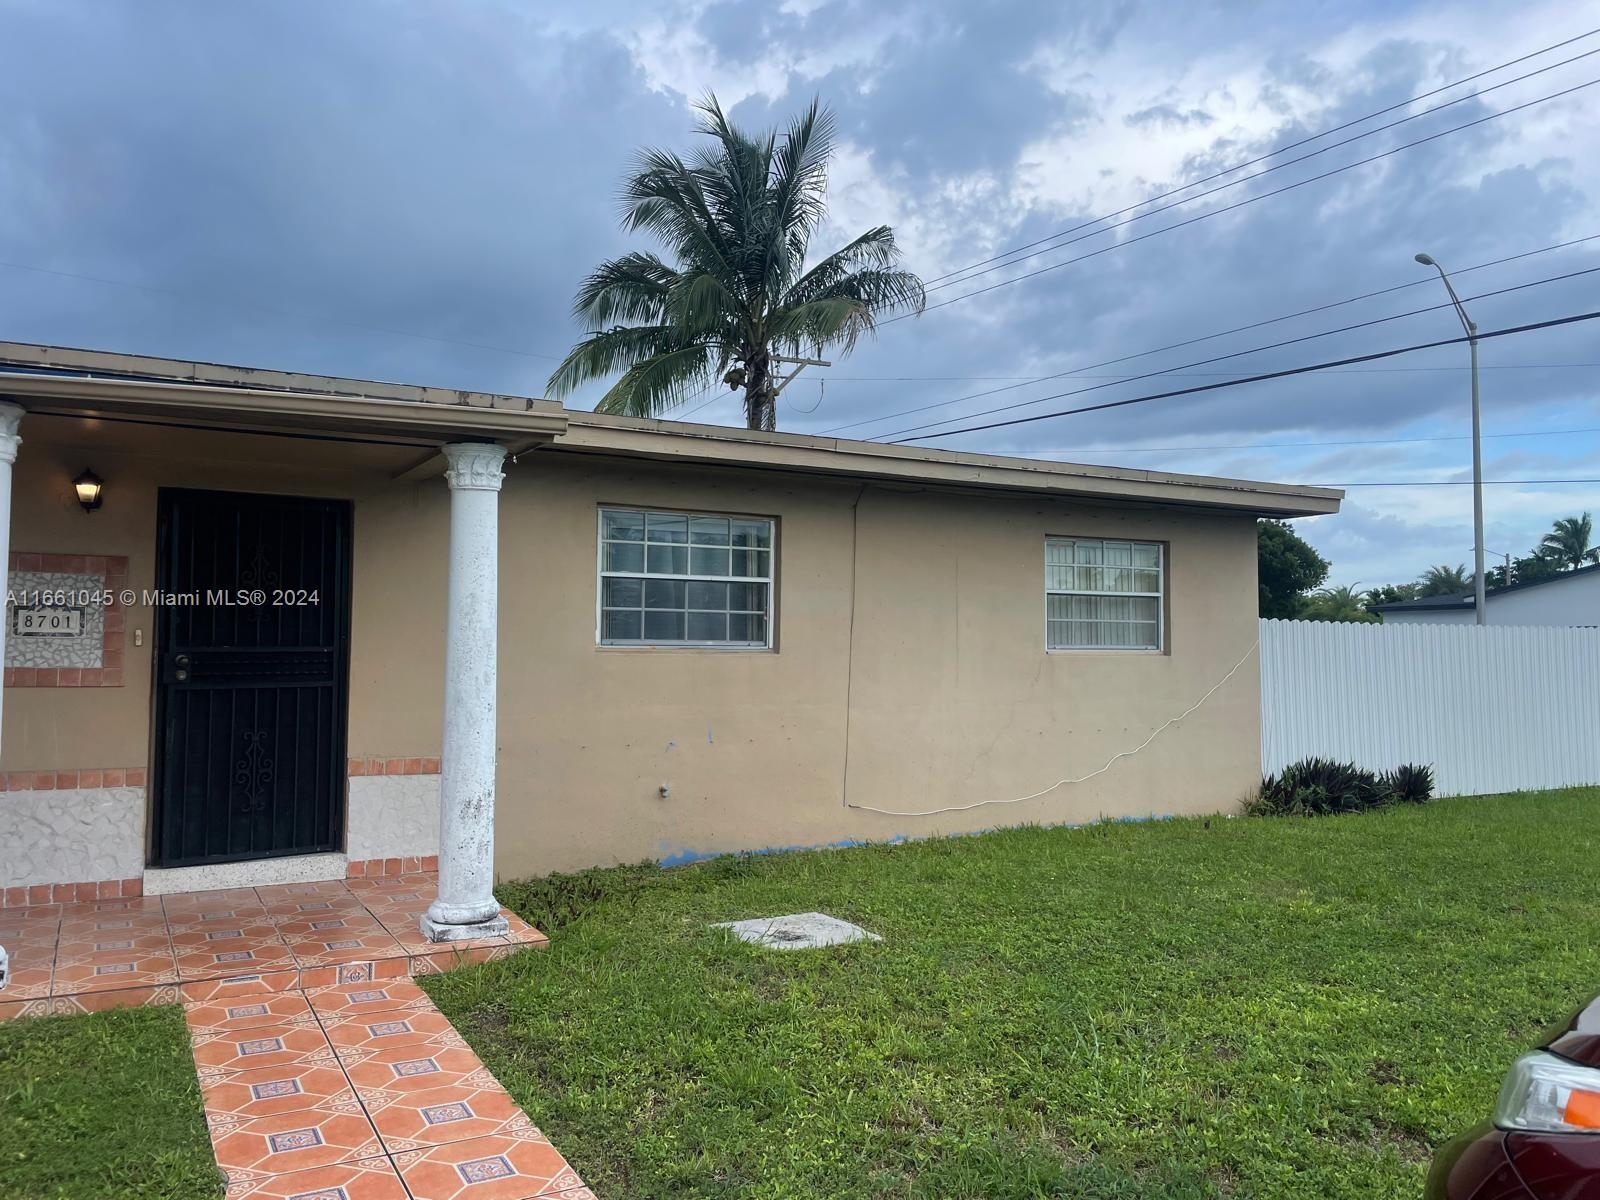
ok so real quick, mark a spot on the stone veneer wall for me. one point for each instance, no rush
(393, 810)
(67, 835)
(71, 826)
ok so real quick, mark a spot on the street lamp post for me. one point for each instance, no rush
(1479, 608)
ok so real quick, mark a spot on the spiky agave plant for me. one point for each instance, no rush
(736, 220)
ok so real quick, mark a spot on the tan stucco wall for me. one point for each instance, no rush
(935, 679)
(397, 600)
(951, 696)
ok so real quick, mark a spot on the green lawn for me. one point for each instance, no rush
(102, 1106)
(1248, 1008)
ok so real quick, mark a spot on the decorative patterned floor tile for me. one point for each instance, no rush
(411, 1120)
(228, 987)
(113, 971)
(384, 1074)
(326, 947)
(237, 956)
(248, 1012)
(134, 997)
(80, 946)
(255, 1049)
(267, 977)
(246, 1095)
(11, 1009)
(206, 935)
(368, 1179)
(500, 1167)
(383, 1031)
(341, 1000)
(355, 972)
(293, 1141)
(436, 961)
(29, 980)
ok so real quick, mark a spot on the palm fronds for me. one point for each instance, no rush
(735, 218)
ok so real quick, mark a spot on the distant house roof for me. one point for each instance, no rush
(1466, 600)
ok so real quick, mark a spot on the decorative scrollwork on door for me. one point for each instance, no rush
(253, 773)
(260, 572)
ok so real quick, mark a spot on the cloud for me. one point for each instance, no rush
(308, 187)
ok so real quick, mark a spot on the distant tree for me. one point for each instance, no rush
(1444, 581)
(1534, 566)
(1391, 593)
(1287, 568)
(1343, 603)
(1567, 543)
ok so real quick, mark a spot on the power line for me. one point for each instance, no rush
(1270, 154)
(1194, 341)
(1099, 227)
(1545, 366)
(1457, 437)
(1216, 212)
(1212, 387)
(1415, 483)
(1308, 337)
(282, 312)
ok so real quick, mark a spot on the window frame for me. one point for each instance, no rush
(1161, 596)
(601, 575)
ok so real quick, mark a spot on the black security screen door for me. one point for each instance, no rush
(252, 652)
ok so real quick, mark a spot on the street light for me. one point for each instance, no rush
(1478, 606)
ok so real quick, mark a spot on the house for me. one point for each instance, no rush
(1569, 598)
(266, 627)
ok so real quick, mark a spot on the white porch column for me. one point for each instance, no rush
(466, 907)
(10, 420)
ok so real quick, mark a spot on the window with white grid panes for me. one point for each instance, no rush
(1103, 594)
(685, 579)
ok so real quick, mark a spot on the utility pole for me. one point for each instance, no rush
(1479, 608)
(799, 364)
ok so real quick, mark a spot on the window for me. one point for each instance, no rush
(684, 579)
(1102, 595)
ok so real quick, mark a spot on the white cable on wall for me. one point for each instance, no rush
(933, 812)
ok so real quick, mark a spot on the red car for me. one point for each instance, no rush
(1544, 1140)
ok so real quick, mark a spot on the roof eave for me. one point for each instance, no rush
(425, 422)
(712, 445)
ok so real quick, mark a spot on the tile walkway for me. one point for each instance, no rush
(325, 1072)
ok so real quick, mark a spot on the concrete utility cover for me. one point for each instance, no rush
(797, 931)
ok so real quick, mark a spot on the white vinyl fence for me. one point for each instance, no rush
(1492, 709)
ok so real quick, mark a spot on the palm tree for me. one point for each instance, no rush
(1444, 581)
(1343, 603)
(737, 220)
(1567, 543)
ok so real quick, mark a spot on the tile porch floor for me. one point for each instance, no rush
(325, 1072)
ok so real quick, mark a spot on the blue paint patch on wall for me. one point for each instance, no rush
(682, 857)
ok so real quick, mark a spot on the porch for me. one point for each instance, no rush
(263, 657)
(214, 945)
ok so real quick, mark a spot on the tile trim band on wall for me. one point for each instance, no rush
(60, 781)
(113, 569)
(393, 766)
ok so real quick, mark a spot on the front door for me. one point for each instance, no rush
(252, 653)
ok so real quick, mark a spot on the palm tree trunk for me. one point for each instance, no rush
(760, 405)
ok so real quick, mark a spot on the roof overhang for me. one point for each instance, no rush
(90, 384)
(715, 445)
(96, 384)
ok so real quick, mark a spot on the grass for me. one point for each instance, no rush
(1249, 1008)
(100, 1106)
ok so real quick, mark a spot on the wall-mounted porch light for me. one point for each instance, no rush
(89, 487)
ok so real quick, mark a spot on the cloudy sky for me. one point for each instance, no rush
(412, 191)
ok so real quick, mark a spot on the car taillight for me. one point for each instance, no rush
(1546, 1094)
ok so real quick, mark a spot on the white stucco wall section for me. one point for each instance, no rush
(393, 816)
(75, 835)
(1572, 599)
